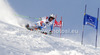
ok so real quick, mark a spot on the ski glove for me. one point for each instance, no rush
(50, 32)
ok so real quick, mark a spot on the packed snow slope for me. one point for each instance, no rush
(15, 40)
(18, 41)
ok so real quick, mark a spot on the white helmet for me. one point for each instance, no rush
(53, 16)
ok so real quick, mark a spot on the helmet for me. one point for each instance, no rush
(53, 16)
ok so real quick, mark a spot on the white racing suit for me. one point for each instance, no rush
(44, 23)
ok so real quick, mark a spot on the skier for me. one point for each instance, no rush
(46, 21)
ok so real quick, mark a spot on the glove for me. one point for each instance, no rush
(47, 22)
(50, 32)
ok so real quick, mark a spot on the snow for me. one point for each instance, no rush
(18, 41)
(15, 40)
(8, 15)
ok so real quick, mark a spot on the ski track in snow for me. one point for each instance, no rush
(15, 40)
(18, 41)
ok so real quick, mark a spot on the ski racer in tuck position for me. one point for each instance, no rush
(46, 21)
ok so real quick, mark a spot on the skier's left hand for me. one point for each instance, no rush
(50, 32)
